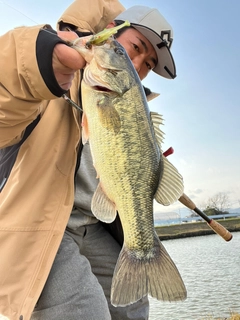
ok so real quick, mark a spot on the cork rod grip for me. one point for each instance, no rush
(219, 229)
(184, 199)
(214, 225)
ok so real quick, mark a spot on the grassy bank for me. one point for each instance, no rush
(183, 230)
(233, 316)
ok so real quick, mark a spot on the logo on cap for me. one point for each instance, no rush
(166, 36)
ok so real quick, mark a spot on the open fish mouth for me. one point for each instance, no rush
(93, 80)
(102, 89)
(95, 84)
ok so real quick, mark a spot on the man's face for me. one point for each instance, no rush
(140, 51)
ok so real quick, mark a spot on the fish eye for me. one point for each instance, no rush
(119, 51)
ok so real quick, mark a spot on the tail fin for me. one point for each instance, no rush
(153, 273)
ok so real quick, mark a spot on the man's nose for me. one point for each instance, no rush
(137, 67)
(137, 62)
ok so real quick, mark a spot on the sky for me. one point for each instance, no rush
(201, 106)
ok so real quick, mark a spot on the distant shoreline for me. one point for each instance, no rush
(193, 229)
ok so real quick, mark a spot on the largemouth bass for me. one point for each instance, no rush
(125, 142)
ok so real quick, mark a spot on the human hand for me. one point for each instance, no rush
(66, 60)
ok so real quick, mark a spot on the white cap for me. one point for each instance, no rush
(158, 31)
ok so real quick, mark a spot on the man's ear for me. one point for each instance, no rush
(111, 25)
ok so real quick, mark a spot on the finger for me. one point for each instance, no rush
(69, 57)
(64, 80)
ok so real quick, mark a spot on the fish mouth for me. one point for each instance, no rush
(93, 81)
(95, 84)
(102, 89)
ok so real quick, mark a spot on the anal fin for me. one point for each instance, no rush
(102, 207)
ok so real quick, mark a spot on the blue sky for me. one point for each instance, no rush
(201, 107)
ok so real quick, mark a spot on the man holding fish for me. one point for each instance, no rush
(57, 258)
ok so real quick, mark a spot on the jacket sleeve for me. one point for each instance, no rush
(23, 85)
(91, 15)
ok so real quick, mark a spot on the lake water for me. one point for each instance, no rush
(210, 268)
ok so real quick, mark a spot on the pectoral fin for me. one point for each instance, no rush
(109, 116)
(102, 207)
(170, 186)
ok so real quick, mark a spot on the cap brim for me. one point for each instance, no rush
(166, 66)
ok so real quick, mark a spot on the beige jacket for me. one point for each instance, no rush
(37, 199)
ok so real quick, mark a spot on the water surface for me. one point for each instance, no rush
(210, 268)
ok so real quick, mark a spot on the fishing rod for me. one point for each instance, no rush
(214, 225)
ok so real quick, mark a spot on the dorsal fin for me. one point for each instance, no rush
(157, 120)
(170, 186)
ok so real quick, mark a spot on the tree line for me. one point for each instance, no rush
(217, 205)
